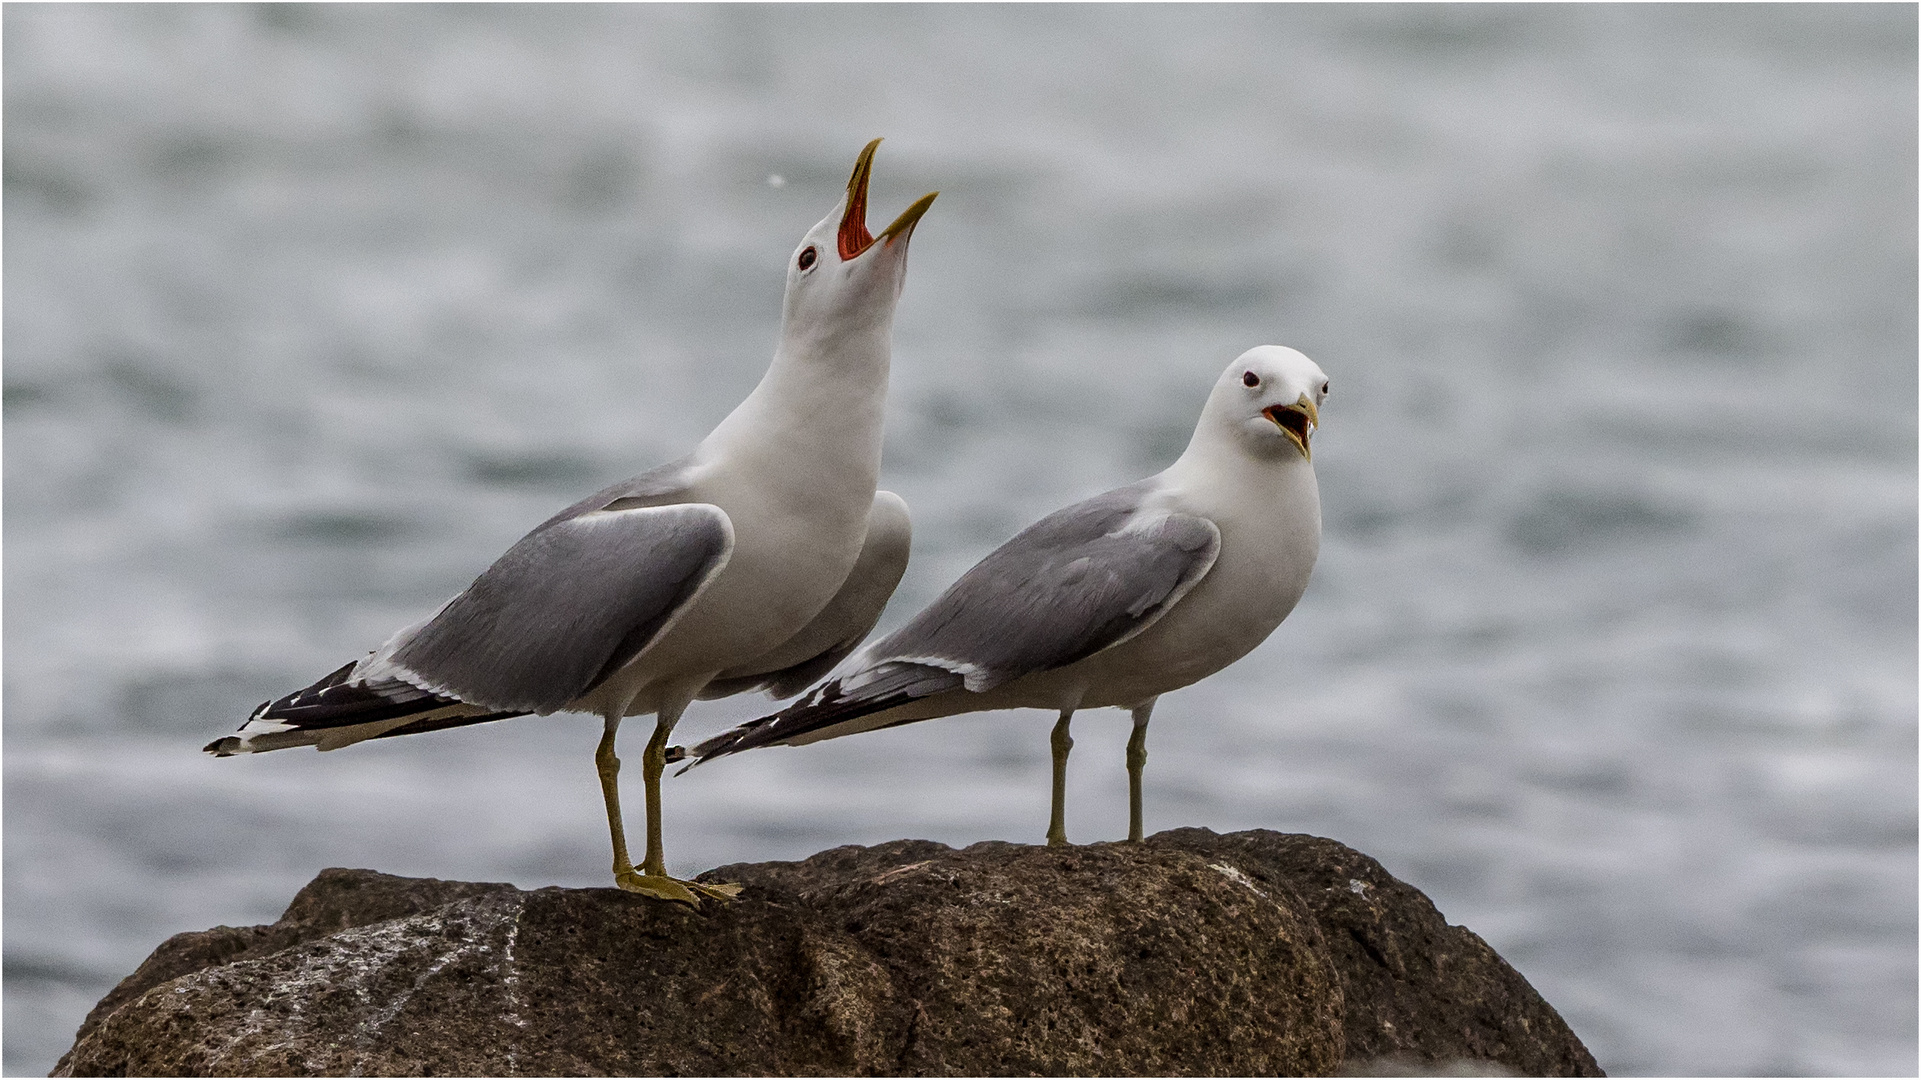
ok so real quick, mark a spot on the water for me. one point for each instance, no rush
(1611, 650)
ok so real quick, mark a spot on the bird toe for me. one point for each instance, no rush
(658, 886)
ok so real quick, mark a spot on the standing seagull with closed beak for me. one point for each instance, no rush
(757, 562)
(1112, 601)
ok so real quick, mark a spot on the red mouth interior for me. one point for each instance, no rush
(854, 237)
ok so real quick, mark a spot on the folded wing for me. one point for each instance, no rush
(573, 602)
(567, 606)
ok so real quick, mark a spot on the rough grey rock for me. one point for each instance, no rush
(1195, 953)
(1414, 988)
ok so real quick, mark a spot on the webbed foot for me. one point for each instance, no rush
(662, 887)
(658, 886)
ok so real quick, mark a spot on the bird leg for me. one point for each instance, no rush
(608, 766)
(1137, 761)
(662, 887)
(652, 763)
(1062, 743)
(652, 878)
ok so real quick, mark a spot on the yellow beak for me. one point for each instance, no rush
(854, 237)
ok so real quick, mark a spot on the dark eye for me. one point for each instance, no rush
(807, 258)
(1324, 387)
(1250, 379)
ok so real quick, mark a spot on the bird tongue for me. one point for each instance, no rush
(854, 237)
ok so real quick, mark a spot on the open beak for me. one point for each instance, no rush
(1297, 422)
(854, 237)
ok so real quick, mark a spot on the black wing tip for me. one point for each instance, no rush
(822, 708)
(224, 747)
(336, 702)
(748, 736)
(727, 742)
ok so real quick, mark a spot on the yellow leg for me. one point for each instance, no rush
(652, 764)
(1062, 743)
(651, 879)
(609, 768)
(1136, 761)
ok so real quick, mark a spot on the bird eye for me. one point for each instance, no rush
(807, 257)
(1250, 379)
(1324, 387)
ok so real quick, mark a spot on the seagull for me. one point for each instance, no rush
(1112, 601)
(758, 561)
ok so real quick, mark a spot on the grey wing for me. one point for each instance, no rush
(1078, 581)
(571, 603)
(843, 623)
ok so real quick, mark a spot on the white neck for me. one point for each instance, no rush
(816, 416)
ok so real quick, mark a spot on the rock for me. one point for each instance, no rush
(1195, 953)
(1414, 988)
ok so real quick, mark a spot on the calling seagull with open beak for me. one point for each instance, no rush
(756, 562)
(853, 239)
(1297, 421)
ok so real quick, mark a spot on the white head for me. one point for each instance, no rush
(1268, 403)
(842, 281)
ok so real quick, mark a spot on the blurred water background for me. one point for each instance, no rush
(310, 312)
